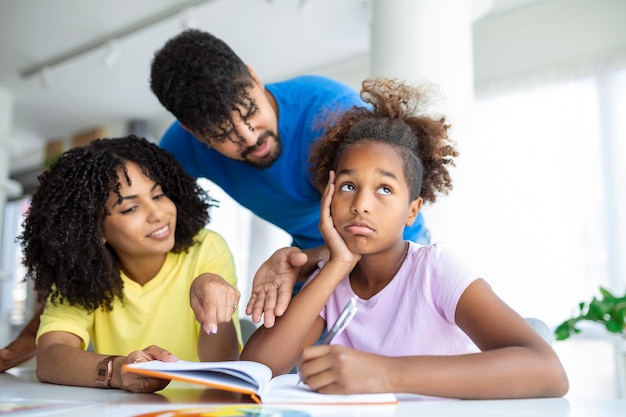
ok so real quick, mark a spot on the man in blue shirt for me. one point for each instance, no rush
(253, 141)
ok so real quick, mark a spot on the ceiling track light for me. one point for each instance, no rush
(44, 77)
(172, 12)
(189, 19)
(112, 54)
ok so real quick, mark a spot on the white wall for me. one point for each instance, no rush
(556, 34)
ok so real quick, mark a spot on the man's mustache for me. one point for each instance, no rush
(259, 144)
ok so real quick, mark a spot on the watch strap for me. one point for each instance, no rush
(104, 371)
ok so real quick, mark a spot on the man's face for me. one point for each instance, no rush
(254, 139)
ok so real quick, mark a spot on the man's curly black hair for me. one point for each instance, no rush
(396, 120)
(201, 81)
(64, 252)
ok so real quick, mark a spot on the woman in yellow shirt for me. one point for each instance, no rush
(115, 243)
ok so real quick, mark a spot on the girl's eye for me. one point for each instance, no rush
(346, 187)
(384, 190)
(158, 196)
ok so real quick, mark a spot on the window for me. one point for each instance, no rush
(16, 297)
(550, 186)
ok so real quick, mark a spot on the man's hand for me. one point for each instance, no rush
(273, 284)
(213, 301)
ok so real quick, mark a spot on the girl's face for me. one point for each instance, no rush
(371, 206)
(143, 224)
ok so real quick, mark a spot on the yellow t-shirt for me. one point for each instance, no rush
(157, 313)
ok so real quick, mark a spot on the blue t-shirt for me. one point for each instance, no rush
(282, 194)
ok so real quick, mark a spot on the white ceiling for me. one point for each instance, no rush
(279, 38)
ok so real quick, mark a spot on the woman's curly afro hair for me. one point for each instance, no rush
(64, 252)
(396, 119)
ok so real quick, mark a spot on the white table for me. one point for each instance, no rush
(21, 386)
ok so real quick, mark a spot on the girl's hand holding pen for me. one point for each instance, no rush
(347, 314)
(336, 369)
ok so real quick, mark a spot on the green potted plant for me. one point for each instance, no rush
(609, 310)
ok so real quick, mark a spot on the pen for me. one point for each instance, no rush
(344, 318)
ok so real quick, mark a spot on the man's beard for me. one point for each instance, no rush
(270, 158)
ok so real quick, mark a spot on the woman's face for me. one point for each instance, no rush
(143, 225)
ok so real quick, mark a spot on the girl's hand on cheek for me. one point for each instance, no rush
(339, 252)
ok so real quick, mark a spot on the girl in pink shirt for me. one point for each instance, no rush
(426, 323)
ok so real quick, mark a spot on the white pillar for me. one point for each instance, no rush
(431, 41)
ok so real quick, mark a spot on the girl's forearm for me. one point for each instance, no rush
(279, 347)
(222, 346)
(511, 372)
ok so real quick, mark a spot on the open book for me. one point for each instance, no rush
(251, 378)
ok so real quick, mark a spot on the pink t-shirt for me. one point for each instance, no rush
(414, 313)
